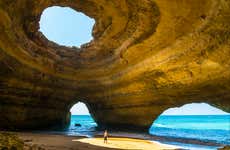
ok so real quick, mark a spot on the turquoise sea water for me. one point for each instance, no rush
(207, 128)
(87, 128)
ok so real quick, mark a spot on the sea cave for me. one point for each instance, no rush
(144, 57)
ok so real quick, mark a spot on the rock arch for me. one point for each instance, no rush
(147, 56)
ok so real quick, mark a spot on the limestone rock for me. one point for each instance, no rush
(225, 148)
(146, 56)
(10, 141)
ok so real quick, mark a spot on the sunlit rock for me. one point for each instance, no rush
(146, 56)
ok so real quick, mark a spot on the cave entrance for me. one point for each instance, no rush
(65, 26)
(199, 121)
(82, 122)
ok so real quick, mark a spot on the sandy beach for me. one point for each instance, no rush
(63, 142)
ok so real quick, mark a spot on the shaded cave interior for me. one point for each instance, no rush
(183, 61)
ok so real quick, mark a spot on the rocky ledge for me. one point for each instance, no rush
(10, 141)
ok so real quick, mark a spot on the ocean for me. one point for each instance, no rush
(200, 132)
(204, 128)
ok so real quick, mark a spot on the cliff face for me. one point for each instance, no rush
(146, 56)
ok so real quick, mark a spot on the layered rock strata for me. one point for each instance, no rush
(146, 56)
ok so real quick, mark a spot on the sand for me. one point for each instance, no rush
(63, 142)
(126, 143)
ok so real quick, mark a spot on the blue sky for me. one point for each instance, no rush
(65, 26)
(194, 109)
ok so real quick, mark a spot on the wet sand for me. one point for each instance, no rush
(63, 142)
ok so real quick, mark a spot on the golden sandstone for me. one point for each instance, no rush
(146, 56)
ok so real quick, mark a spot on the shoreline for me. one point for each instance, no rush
(48, 140)
(165, 139)
(65, 142)
(142, 136)
(162, 141)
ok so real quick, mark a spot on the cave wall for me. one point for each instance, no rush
(146, 56)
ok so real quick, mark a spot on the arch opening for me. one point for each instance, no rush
(82, 123)
(65, 26)
(195, 122)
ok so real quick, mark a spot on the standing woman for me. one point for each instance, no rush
(105, 136)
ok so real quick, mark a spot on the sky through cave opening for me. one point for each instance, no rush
(82, 123)
(65, 26)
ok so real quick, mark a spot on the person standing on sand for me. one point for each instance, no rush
(105, 136)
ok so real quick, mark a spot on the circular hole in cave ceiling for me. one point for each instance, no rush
(65, 26)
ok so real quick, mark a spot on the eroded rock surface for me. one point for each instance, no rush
(146, 56)
(9, 141)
